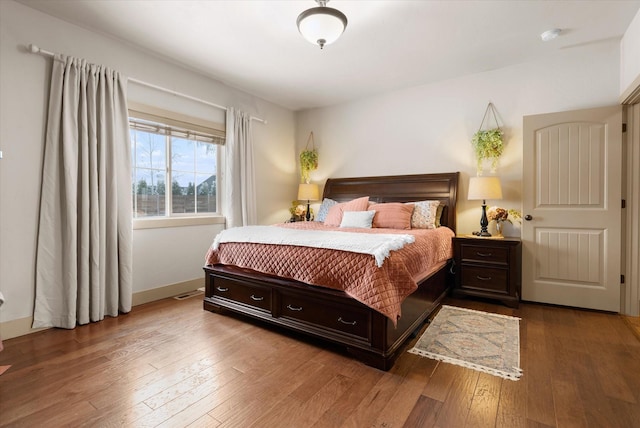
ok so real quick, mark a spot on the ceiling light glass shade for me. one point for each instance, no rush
(321, 25)
(550, 34)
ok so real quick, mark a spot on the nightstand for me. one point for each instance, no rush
(488, 267)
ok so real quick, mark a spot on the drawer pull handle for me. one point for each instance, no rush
(294, 308)
(222, 289)
(483, 278)
(346, 322)
(256, 298)
(484, 254)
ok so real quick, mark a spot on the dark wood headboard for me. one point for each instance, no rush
(400, 188)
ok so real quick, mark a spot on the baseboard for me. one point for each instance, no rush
(142, 297)
(22, 326)
(19, 327)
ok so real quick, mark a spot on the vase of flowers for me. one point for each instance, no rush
(499, 229)
(298, 211)
(500, 216)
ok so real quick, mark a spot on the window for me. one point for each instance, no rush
(174, 168)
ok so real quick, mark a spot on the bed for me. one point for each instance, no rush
(330, 314)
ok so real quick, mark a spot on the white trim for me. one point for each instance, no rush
(174, 221)
(632, 94)
(631, 231)
(154, 294)
(167, 118)
(16, 328)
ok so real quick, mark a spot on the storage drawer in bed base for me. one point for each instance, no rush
(321, 312)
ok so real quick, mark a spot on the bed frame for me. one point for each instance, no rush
(330, 314)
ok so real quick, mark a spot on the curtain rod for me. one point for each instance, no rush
(36, 50)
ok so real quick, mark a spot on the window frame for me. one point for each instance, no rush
(196, 126)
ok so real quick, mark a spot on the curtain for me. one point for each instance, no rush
(84, 254)
(240, 206)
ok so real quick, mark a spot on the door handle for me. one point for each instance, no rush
(528, 217)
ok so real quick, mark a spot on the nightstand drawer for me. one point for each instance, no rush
(484, 254)
(484, 278)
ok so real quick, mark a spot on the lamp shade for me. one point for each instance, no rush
(321, 25)
(481, 188)
(308, 192)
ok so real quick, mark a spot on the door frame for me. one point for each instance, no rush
(630, 293)
(630, 99)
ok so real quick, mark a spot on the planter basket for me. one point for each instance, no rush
(308, 160)
(487, 143)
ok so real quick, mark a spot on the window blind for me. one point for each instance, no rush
(174, 131)
(152, 119)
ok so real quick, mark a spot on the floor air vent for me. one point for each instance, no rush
(189, 294)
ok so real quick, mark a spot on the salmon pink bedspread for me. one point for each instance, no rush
(383, 289)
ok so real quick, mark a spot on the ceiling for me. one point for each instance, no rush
(255, 45)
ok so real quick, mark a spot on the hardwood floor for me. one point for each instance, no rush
(172, 364)
(634, 323)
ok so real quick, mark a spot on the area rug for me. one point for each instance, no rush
(486, 342)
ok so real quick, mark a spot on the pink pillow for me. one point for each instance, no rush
(393, 215)
(334, 216)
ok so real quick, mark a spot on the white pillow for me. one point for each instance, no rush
(362, 219)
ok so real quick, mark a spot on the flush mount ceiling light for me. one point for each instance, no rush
(550, 34)
(321, 25)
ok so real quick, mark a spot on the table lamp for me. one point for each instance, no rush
(483, 188)
(308, 192)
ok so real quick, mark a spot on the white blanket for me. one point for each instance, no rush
(377, 245)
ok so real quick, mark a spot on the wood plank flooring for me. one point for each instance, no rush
(634, 323)
(172, 364)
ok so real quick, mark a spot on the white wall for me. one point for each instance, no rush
(161, 256)
(630, 57)
(428, 128)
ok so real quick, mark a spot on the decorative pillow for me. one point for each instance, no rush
(439, 213)
(361, 219)
(334, 216)
(393, 215)
(424, 214)
(324, 208)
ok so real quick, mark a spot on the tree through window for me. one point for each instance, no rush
(187, 159)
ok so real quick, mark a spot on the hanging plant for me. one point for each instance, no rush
(308, 160)
(488, 143)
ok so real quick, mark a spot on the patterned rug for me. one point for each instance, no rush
(478, 340)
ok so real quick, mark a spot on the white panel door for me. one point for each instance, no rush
(571, 205)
